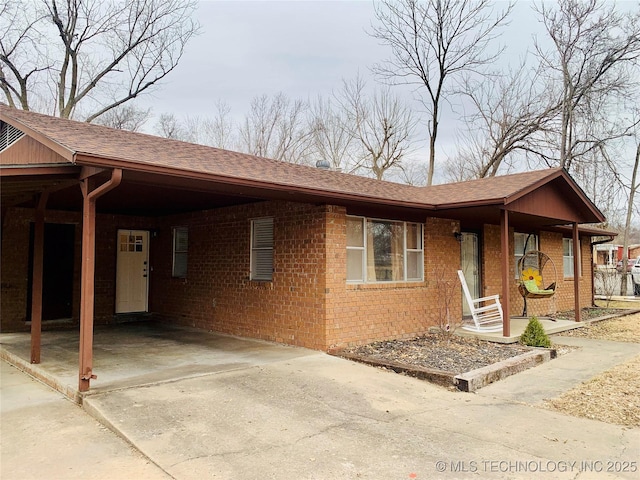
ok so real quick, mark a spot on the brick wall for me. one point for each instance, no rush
(217, 293)
(15, 259)
(308, 302)
(549, 243)
(15, 256)
(361, 313)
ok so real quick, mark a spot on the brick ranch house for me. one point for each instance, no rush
(103, 225)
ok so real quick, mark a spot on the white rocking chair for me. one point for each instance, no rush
(486, 311)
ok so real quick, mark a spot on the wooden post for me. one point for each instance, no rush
(87, 287)
(506, 261)
(36, 281)
(576, 272)
(87, 290)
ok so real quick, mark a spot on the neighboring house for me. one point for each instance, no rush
(101, 225)
(608, 255)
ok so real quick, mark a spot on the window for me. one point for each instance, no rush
(567, 257)
(262, 249)
(384, 251)
(180, 248)
(522, 241)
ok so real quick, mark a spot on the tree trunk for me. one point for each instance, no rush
(627, 225)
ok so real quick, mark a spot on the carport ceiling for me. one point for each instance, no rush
(136, 195)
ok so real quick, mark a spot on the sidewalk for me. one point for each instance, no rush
(44, 435)
(553, 378)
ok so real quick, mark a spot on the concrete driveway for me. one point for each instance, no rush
(277, 412)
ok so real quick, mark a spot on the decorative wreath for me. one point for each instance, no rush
(532, 274)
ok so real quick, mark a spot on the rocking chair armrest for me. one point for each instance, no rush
(495, 298)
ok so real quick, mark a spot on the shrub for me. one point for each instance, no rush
(534, 335)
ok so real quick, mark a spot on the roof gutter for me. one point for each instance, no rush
(90, 160)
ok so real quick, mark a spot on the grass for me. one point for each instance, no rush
(632, 305)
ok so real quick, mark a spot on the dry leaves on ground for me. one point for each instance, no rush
(623, 329)
(440, 351)
(614, 395)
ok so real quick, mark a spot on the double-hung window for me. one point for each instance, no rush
(384, 251)
(262, 249)
(523, 243)
(567, 257)
(180, 251)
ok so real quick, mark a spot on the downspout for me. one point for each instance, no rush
(87, 287)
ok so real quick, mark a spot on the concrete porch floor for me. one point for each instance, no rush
(136, 354)
(518, 324)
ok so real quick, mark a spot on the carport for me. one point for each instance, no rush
(129, 355)
(49, 164)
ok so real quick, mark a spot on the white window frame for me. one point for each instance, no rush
(567, 260)
(261, 249)
(518, 253)
(363, 249)
(180, 252)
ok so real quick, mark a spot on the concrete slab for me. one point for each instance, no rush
(205, 406)
(552, 379)
(518, 325)
(44, 435)
(137, 354)
(319, 417)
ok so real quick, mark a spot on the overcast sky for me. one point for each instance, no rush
(248, 49)
(301, 48)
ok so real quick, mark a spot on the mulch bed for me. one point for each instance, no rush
(439, 351)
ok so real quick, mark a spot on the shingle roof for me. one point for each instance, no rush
(139, 151)
(487, 190)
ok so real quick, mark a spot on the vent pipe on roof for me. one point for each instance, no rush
(323, 164)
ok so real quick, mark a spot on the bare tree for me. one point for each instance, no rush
(276, 128)
(632, 207)
(333, 138)
(432, 43)
(168, 126)
(383, 126)
(218, 131)
(125, 117)
(592, 42)
(87, 57)
(507, 113)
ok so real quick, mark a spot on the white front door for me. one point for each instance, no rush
(132, 271)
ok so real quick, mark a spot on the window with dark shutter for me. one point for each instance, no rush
(262, 249)
(180, 249)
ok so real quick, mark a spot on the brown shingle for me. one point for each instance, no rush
(138, 150)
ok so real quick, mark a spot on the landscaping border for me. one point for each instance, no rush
(466, 382)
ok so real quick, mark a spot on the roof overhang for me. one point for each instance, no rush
(160, 187)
